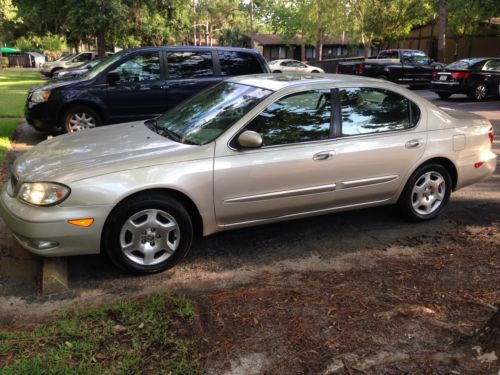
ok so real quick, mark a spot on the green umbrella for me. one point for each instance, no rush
(10, 50)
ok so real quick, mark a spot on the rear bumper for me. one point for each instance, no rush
(468, 174)
(448, 87)
(34, 225)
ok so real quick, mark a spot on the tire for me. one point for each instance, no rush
(383, 77)
(80, 117)
(444, 95)
(479, 92)
(276, 71)
(315, 71)
(148, 233)
(428, 181)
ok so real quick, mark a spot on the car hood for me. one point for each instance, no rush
(109, 149)
(53, 84)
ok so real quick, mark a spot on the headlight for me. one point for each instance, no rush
(40, 96)
(43, 193)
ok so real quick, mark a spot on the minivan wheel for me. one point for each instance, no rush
(444, 95)
(79, 118)
(148, 234)
(426, 193)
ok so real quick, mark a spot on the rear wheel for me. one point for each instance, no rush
(479, 92)
(315, 71)
(148, 234)
(383, 77)
(80, 117)
(426, 193)
(444, 95)
(276, 71)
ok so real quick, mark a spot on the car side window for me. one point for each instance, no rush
(190, 64)
(300, 117)
(372, 110)
(234, 63)
(83, 57)
(492, 65)
(140, 68)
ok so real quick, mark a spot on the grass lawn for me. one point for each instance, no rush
(14, 85)
(129, 337)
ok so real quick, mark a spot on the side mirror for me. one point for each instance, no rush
(112, 78)
(250, 139)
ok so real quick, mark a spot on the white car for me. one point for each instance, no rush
(292, 66)
(71, 61)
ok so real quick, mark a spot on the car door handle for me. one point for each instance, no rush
(324, 155)
(414, 143)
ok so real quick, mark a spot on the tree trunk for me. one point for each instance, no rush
(302, 52)
(77, 44)
(442, 31)
(488, 337)
(101, 44)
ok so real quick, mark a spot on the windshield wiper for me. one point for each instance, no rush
(163, 131)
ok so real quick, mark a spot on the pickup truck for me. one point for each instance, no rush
(405, 66)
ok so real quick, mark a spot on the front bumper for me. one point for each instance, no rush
(42, 116)
(31, 224)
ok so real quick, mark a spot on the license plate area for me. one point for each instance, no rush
(443, 77)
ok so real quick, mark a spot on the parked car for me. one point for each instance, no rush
(248, 151)
(71, 61)
(477, 77)
(78, 71)
(37, 59)
(292, 66)
(412, 67)
(136, 84)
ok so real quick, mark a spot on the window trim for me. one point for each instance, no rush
(340, 136)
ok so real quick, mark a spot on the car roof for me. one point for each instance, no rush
(192, 48)
(278, 81)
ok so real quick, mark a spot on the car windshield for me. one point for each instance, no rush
(92, 73)
(66, 57)
(420, 57)
(204, 117)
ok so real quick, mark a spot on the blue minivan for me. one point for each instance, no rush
(136, 84)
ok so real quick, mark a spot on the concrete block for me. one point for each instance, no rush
(55, 275)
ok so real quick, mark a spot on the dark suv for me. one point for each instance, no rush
(136, 84)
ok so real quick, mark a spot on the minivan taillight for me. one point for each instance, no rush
(461, 75)
(491, 134)
(361, 69)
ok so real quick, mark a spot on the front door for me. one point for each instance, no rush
(292, 171)
(140, 91)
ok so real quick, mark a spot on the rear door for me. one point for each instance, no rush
(189, 72)
(381, 137)
(140, 91)
(491, 74)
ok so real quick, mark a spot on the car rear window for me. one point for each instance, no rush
(234, 63)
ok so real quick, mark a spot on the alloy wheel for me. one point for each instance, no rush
(480, 92)
(149, 237)
(428, 193)
(81, 121)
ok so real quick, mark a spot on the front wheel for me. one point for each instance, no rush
(80, 117)
(426, 193)
(148, 234)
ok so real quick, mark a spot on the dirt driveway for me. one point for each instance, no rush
(316, 295)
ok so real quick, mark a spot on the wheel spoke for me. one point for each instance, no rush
(149, 257)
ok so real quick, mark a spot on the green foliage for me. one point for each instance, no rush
(126, 337)
(233, 37)
(464, 15)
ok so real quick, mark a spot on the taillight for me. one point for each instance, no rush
(491, 134)
(461, 75)
(434, 74)
(361, 69)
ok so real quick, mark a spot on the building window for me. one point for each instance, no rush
(310, 53)
(277, 52)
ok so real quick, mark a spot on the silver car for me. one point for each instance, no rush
(248, 151)
(292, 66)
